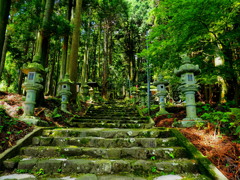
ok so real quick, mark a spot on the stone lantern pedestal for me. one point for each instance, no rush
(189, 87)
(161, 93)
(32, 85)
(65, 92)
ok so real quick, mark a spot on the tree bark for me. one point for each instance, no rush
(4, 13)
(73, 61)
(3, 59)
(105, 64)
(65, 43)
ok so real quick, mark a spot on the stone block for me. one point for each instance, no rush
(28, 164)
(77, 166)
(49, 166)
(71, 151)
(102, 167)
(120, 166)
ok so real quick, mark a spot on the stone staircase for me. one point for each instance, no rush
(110, 143)
(110, 116)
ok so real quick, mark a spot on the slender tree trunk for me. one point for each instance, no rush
(41, 55)
(4, 13)
(73, 61)
(43, 37)
(99, 49)
(84, 76)
(65, 42)
(233, 84)
(3, 59)
(105, 64)
(94, 61)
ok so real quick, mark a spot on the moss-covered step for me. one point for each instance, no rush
(110, 121)
(105, 153)
(110, 125)
(105, 142)
(100, 166)
(108, 133)
(113, 117)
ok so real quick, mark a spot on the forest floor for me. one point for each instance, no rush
(223, 151)
(220, 150)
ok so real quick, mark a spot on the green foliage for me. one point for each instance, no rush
(224, 122)
(5, 121)
(55, 113)
(171, 155)
(40, 172)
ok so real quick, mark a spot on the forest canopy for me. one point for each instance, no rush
(114, 43)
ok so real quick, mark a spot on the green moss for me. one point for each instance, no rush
(84, 141)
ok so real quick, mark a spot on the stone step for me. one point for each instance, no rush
(118, 121)
(122, 176)
(105, 142)
(108, 133)
(97, 166)
(96, 114)
(105, 153)
(113, 117)
(110, 125)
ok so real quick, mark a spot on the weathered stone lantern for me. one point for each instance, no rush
(161, 93)
(143, 94)
(31, 85)
(65, 92)
(188, 87)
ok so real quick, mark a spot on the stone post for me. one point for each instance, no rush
(188, 87)
(31, 85)
(65, 92)
(161, 93)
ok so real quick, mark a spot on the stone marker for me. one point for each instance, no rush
(161, 93)
(65, 92)
(188, 87)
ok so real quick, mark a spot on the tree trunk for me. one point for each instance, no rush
(105, 64)
(4, 12)
(73, 61)
(3, 59)
(233, 84)
(99, 49)
(65, 43)
(41, 55)
(84, 76)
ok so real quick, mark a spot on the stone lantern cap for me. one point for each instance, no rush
(187, 67)
(161, 80)
(33, 67)
(65, 80)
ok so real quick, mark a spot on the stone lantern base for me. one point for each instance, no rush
(186, 122)
(33, 120)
